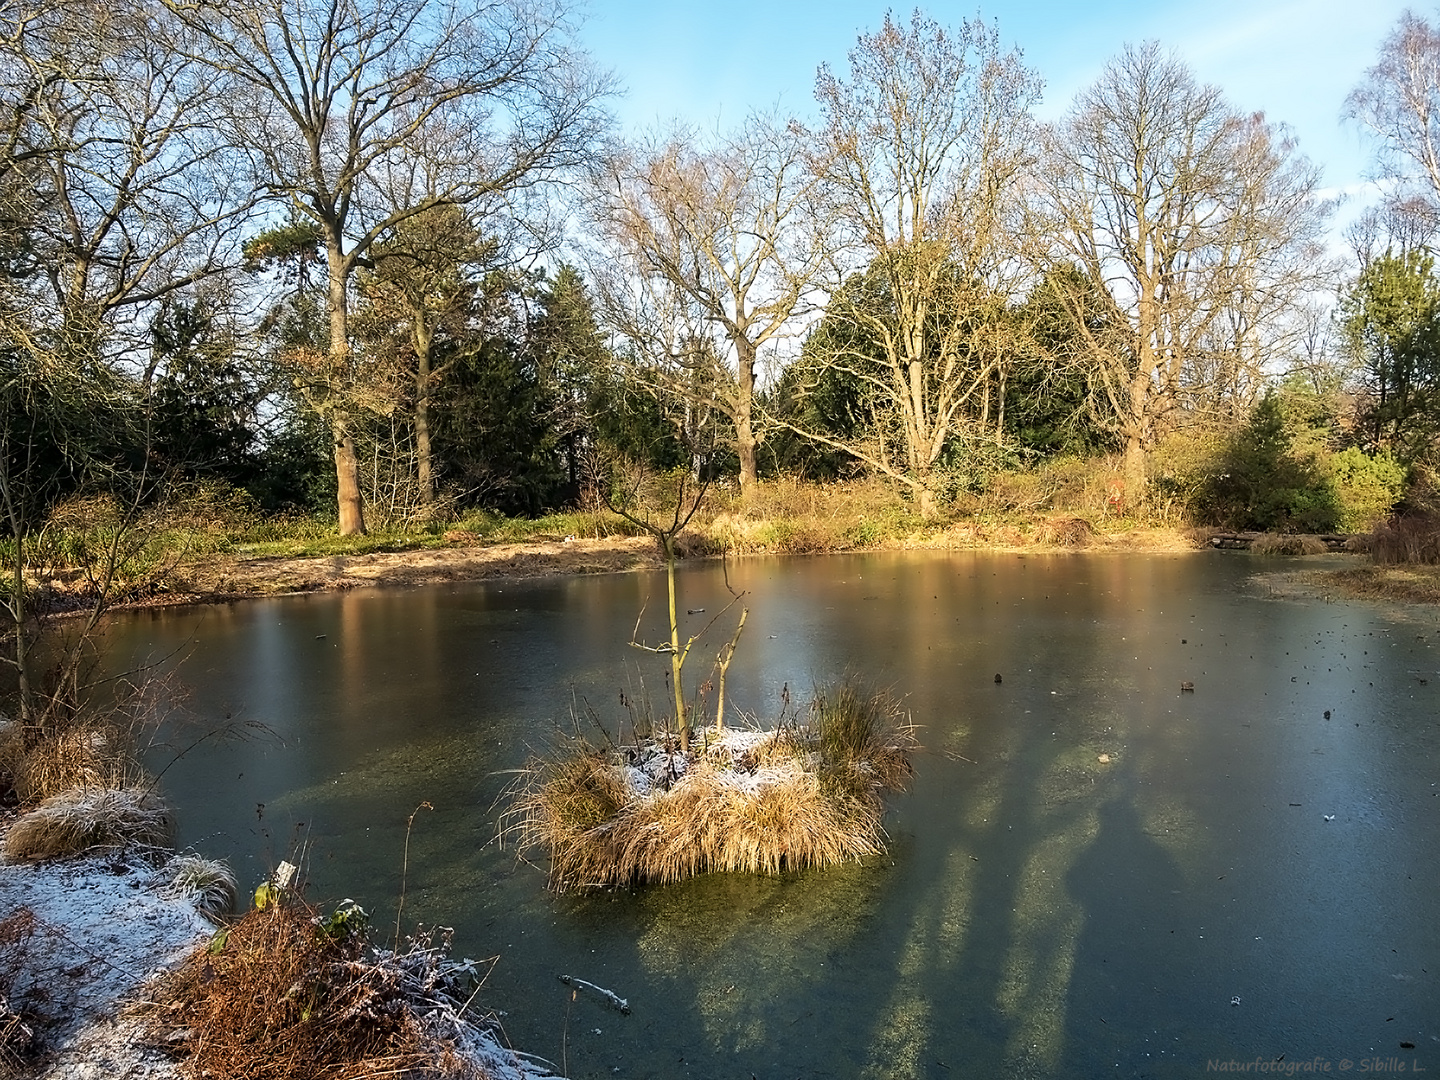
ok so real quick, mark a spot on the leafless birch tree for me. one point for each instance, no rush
(1398, 104)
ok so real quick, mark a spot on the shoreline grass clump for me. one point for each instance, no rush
(286, 991)
(45, 761)
(207, 885)
(1407, 538)
(1288, 544)
(804, 795)
(84, 818)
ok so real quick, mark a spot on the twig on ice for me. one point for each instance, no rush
(612, 999)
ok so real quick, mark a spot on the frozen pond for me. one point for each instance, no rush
(1252, 874)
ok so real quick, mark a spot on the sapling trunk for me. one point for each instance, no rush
(726, 655)
(677, 658)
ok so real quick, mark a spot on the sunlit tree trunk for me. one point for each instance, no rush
(350, 505)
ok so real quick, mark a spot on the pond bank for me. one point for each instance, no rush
(221, 579)
(83, 939)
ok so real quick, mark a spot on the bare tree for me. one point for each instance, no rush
(920, 151)
(492, 95)
(1398, 103)
(721, 240)
(118, 187)
(1201, 226)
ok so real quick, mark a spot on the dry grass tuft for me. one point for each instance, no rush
(1065, 532)
(85, 818)
(865, 742)
(760, 803)
(1288, 544)
(83, 755)
(284, 993)
(1409, 538)
(206, 884)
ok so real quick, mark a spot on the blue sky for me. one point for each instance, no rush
(1295, 60)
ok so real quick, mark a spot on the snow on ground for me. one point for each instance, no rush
(650, 767)
(101, 928)
(102, 925)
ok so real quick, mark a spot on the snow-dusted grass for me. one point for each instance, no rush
(286, 992)
(85, 934)
(207, 884)
(83, 818)
(83, 940)
(748, 801)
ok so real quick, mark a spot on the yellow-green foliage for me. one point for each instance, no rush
(1184, 460)
(1367, 487)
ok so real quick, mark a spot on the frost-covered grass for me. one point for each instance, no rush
(287, 991)
(760, 802)
(76, 821)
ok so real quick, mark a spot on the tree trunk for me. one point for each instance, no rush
(347, 479)
(744, 427)
(424, 469)
(677, 658)
(1135, 461)
(351, 510)
(423, 461)
(20, 616)
(929, 504)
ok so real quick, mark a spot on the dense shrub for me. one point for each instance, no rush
(1367, 487)
(1260, 483)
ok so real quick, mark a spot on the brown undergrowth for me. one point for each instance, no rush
(1288, 544)
(84, 818)
(763, 802)
(1398, 584)
(286, 992)
(1413, 539)
(17, 1035)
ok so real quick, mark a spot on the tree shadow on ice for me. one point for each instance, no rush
(1135, 960)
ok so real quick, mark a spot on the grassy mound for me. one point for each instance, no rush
(760, 802)
(286, 992)
(84, 818)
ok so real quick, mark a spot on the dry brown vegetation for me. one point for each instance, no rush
(286, 992)
(87, 754)
(85, 818)
(1288, 544)
(17, 1037)
(1404, 584)
(1068, 532)
(1411, 539)
(800, 796)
